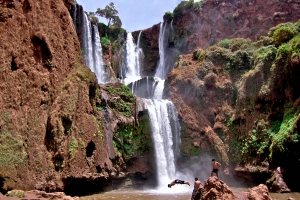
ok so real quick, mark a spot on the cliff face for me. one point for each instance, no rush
(241, 102)
(207, 23)
(58, 128)
(201, 24)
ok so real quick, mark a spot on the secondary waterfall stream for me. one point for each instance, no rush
(92, 50)
(165, 127)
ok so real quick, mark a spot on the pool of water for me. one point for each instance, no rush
(167, 195)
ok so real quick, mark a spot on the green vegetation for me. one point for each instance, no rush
(268, 72)
(105, 42)
(168, 16)
(131, 142)
(12, 152)
(111, 14)
(185, 7)
(283, 32)
(124, 104)
(73, 148)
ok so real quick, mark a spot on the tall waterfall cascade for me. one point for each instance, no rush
(165, 127)
(92, 50)
(134, 55)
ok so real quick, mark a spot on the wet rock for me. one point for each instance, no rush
(260, 192)
(214, 188)
(276, 183)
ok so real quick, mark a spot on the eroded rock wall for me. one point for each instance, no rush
(60, 130)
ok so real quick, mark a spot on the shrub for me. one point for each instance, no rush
(282, 35)
(105, 42)
(225, 43)
(168, 16)
(210, 80)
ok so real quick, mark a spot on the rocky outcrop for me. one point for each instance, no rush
(207, 23)
(35, 194)
(217, 189)
(259, 192)
(276, 182)
(235, 103)
(59, 129)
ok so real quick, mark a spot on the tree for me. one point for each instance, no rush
(111, 14)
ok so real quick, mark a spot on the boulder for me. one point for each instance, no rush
(276, 183)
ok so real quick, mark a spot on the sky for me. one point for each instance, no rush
(134, 14)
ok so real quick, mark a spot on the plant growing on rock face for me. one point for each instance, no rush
(168, 16)
(283, 32)
(72, 149)
(210, 80)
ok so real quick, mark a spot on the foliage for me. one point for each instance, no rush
(168, 16)
(283, 32)
(286, 134)
(92, 17)
(131, 142)
(11, 150)
(225, 43)
(185, 7)
(111, 14)
(72, 148)
(105, 43)
(123, 104)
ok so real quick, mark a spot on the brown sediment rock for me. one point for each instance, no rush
(36, 195)
(276, 182)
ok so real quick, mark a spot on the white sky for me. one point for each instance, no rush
(134, 14)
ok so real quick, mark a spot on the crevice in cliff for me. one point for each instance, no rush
(83, 186)
(26, 6)
(67, 124)
(49, 137)
(90, 149)
(42, 53)
(13, 64)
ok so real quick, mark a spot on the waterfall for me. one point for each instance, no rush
(98, 67)
(161, 71)
(87, 42)
(92, 50)
(133, 56)
(75, 14)
(164, 123)
(163, 139)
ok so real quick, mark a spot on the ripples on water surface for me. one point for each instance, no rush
(166, 195)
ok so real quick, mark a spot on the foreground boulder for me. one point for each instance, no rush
(276, 183)
(36, 194)
(214, 189)
(218, 190)
(260, 192)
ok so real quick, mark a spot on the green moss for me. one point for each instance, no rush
(73, 148)
(130, 141)
(105, 43)
(124, 104)
(225, 43)
(286, 134)
(168, 16)
(283, 32)
(11, 150)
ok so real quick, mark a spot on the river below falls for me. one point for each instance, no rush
(167, 195)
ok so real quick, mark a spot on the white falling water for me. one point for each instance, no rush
(87, 42)
(92, 50)
(161, 71)
(98, 67)
(162, 138)
(133, 53)
(165, 127)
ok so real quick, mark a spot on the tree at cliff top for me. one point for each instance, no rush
(111, 14)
